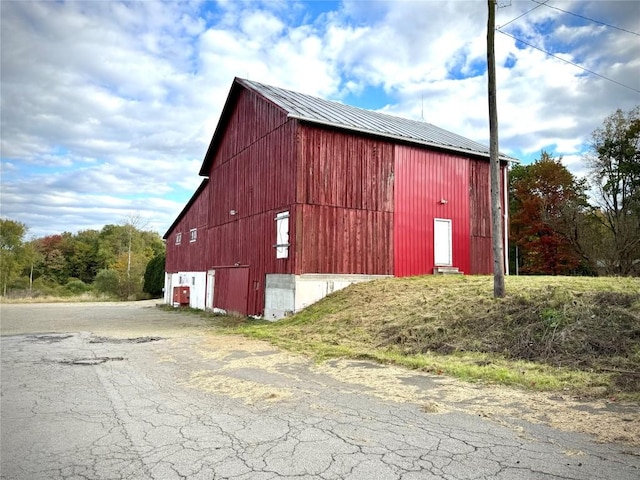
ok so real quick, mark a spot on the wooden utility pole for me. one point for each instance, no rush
(494, 155)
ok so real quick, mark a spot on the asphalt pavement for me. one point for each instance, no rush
(106, 391)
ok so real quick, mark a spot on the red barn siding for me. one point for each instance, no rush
(481, 249)
(252, 118)
(345, 186)
(249, 242)
(340, 240)
(422, 179)
(480, 217)
(260, 178)
(344, 170)
(188, 256)
(253, 173)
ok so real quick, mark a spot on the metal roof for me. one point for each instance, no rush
(325, 112)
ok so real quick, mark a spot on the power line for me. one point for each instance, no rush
(522, 15)
(580, 16)
(569, 62)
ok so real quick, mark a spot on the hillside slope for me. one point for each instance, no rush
(577, 323)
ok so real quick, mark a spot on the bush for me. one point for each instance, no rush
(76, 286)
(154, 276)
(107, 281)
(43, 287)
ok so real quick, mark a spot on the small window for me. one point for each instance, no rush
(193, 234)
(282, 235)
(193, 280)
(178, 238)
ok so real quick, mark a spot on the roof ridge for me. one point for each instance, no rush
(341, 115)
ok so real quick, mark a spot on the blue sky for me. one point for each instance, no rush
(108, 107)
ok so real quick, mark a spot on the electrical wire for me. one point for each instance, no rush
(522, 15)
(580, 16)
(569, 62)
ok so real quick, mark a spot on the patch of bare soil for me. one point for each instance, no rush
(606, 421)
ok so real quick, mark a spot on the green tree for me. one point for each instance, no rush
(546, 204)
(154, 275)
(11, 252)
(83, 259)
(614, 162)
(107, 281)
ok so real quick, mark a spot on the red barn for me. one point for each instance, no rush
(304, 196)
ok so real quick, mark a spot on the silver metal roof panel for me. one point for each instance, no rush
(335, 114)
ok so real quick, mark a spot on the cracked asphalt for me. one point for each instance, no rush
(127, 391)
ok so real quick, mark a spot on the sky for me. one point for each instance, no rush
(107, 108)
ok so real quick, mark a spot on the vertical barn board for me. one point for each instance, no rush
(480, 217)
(428, 185)
(237, 293)
(344, 170)
(189, 256)
(253, 172)
(339, 240)
(250, 118)
(351, 177)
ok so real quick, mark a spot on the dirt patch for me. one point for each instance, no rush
(248, 391)
(605, 420)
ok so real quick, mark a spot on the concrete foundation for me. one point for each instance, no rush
(288, 294)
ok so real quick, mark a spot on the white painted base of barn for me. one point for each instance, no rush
(193, 283)
(284, 294)
(287, 294)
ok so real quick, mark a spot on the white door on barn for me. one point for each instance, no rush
(211, 280)
(442, 242)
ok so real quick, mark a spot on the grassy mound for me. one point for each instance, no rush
(549, 332)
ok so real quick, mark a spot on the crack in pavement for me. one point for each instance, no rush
(188, 407)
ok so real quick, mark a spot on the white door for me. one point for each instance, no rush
(442, 242)
(211, 280)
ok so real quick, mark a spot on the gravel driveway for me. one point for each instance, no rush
(128, 391)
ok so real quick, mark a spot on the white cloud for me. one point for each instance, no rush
(108, 107)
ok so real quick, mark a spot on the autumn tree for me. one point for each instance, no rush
(614, 163)
(547, 204)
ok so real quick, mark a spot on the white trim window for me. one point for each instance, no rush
(178, 238)
(193, 235)
(282, 235)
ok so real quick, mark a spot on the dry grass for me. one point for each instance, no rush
(83, 297)
(548, 333)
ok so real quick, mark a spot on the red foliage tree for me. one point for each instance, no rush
(544, 199)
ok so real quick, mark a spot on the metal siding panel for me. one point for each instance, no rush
(422, 179)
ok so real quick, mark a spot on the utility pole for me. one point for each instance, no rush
(494, 156)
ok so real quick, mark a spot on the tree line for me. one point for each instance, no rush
(122, 261)
(564, 225)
